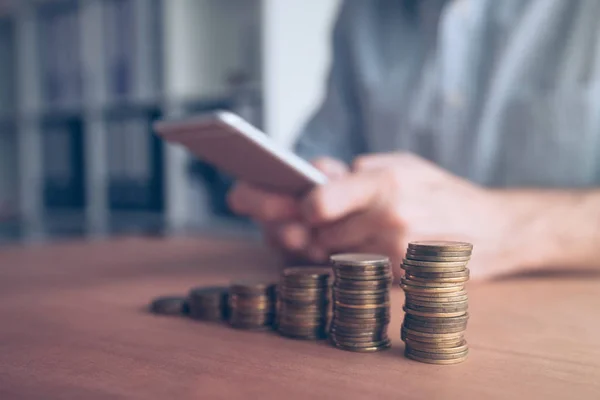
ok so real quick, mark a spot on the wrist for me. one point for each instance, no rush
(545, 229)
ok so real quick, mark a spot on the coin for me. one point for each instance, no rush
(251, 287)
(432, 348)
(430, 283)
(438, 245)
(440, 362)
(366, 348)
(436, 335)
(252, 305)
(451, 307)
(315, 273)
(431, 290)
(303, 302)
(437, 320)
(436, 296)
(358, 259)
(420, 273)
(418, 279)
(437, 266)
(419, 257)
(436, 329)
(426, 302)
(168, 305)
(352, 307)
(435, 355)
(433, 314)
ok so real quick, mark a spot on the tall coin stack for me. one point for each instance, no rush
(361, 302)
(436, 302)
(251, 305)
(208, 303)
(303, 302)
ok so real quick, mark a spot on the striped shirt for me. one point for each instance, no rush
(504, 93)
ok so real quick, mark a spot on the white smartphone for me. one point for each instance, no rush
(234, 146)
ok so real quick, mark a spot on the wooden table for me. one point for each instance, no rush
(74, 326)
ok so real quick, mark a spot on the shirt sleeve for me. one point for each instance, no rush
(335, 129)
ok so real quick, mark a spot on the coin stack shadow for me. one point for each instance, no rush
(303, 302)
(252, 305)
(436, 302)
(208, 303)
(361, 302)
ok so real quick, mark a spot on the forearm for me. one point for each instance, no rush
(554, 229)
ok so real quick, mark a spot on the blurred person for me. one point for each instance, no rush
(474, 120)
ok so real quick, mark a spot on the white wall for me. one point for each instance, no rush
(296, 56)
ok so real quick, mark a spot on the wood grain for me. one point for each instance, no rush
(74, 326)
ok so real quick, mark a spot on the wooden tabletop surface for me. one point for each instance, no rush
(73, 325)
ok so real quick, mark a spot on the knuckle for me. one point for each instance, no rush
(360, 163)
(319, 209)
(392, 177)
(395, 218)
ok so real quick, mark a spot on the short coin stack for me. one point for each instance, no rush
(436, 301)
(170, 305)
(208, 303)
(252, 305)
(361, 302)
(303, 302)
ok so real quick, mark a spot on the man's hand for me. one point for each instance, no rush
(280, 215)
(390, 199)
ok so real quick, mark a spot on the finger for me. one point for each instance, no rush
(369, 162)
(331, 167)
(351, 231)
(341, 197)
(293, 236)
(261, 205)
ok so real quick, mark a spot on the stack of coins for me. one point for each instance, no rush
(252, 305)
(361, 302)
(208, 303)
(303, 303)
(436, 302)
(169, 305)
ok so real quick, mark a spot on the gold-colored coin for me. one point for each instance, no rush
(251, 287)
(307, 272)
(417, 279)
(437, 329)
(427, 290)
(420, 273)
(433, 314)
(439, 362)
(418, 257)
(430, 283)
(358, 259)
(441, 336)
(362, 306)
(436, 301)
(435, 356)
(436, 295)
(415, 304)
(386, 344)
(442, 265)
(429, 348)
(438, 320)
(438, 245)
(449, 254)
(433, 341)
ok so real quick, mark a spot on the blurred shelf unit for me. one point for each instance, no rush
(81, 82)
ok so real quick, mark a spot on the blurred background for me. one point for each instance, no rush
(81, 82)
